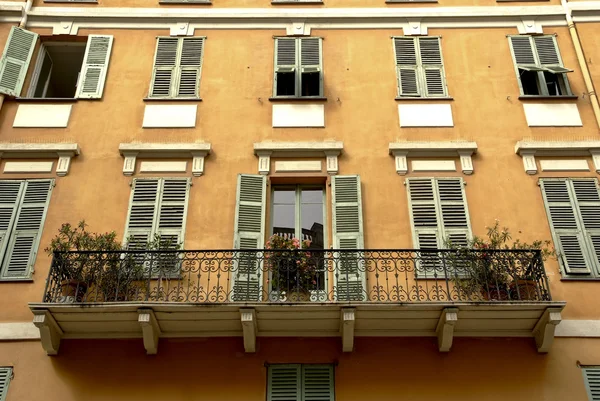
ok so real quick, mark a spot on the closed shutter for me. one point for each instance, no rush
(591, 377)
(10, 196)
(172, 209)
(95, 67)
(350, 277)
(15, 60)
(433, 69)
(317, 383)
(165, 67)
(453, 209)
(249, 234)
(190, 67)
(588, 204)
(565, 225)
(142, 213)
(406, 66)
(425, 223)
(5, 377)
(24, 240)
(284, 383)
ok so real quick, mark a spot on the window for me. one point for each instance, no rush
(419, 67)
(539, 66)
(62, 70)
(5, 377)
(177, 68)
(591, 377)
(298, 67)
(299, 210)
(23, 206)
(573, 209)
(300, 383)
(439, 214)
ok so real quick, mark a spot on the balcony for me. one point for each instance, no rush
(274, 293)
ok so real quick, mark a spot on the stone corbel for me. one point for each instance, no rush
(595, 158)
(150, 330)
(347, 329)
(297, 29)
(249, 328)
(64, 162)
(414, 28)
(198, 162)
(332, 161)
(264, 161)
(445, 328)
(545, 328)
(129, 163)
(182, 29)
(466, 161)
(400, 158)
(529, 26)
(50, 331)
(529, 161)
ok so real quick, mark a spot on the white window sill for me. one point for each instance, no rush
(199, 2)
(16, 280)
(172, 99)
(297, 99)
(295, 3)
(424, 98)
(48, 99)
(542, 97)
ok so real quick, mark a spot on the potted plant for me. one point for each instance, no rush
(478, 271)
(293, 272)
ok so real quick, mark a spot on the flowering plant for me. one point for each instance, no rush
(291, 268)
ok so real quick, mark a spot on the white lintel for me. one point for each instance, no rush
(328, 149)
(528, 150)
(249, 328)
(462, 149)
(545, 328)
(61, 151)
(196, 151)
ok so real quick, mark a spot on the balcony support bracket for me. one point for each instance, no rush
(544, 329)
(249, 328)
(50, 331)
(150, 330)
(347, 329)
(445, 328)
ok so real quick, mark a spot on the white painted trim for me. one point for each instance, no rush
(433, 165)
(329, 150)
(297, 165)
(529, 149)
(63, 151)
(42, 115)
(163, 166)
(564, 165)
(578, 328)
(18, 331)
(196, 151)
(28, 167)
(403, 150)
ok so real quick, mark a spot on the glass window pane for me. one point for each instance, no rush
(312, 224)
(312, 196)
(287, 196)
(284, 220)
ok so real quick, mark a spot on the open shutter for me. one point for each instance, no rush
(286, 64)
(588, 204)
(15, 60)
(591, 377)
(406, 66)
(433, 68)
(350, 277)
(548, 54)
(522, 52)
(249, 234)
(284, 383)
(310, 62)
(566, 230)
(95, 67)
(142, 213)
(5, 377)
(190, 67)
(425, 223)
(317, 383)
(10, 195)
(172, 209)
(454, 212)
(25, 238)
(165, 69)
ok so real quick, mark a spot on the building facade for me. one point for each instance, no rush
(382, 133)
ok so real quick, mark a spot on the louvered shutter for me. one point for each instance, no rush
(523, 53)
(190, 66)
(25, 238)
(591, 377)
(425, 223)
(350, 277)
(317, 383)
(249, 234)
(284, 383)
(406, 66)
(172, 209)
(15, 60)
(95, 66)
(286, 59)
(142, 212)
(454, 213)
(588, 204)
(310, 55)
(430, 53)
(10, 195)
(5, 377)
(548, 54)
(566, 230)
(165, 67)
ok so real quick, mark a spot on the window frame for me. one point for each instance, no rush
(300, 372)
(298, 69)
(541, 79)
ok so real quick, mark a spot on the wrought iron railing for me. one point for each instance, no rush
(219, 276)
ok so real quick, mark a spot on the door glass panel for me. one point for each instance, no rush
(284, 212)
(311, 213)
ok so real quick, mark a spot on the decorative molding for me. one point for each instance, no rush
(298, 166)
(329, 150)
(347, 323)
(65, 28)
(297, 29)
(414, 27)
(529, 149)
(42, 115)
(150, 330)
(433, 165)
(403, 150)
(63, 151)
(182, 29)
(564, 165)
(530, 26)
(28, 167)
(196, 151)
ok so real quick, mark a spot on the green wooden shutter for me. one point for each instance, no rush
(95, 67)
(548, 54)
(172, 209)
(249, 234)
(143, 209)
(350, 277)
(24, 240)
(591, 376)
(311, 60)
(165, 70)
(286, 60)
(5, 377)
(430, 53)
(10, 196)
(406, 66)
(317, 383)
(190, 63)
(523, 53)
(453, 210)
(425, 223)
(15, 60)
(588, 205)
(284, 383)
(565, 226)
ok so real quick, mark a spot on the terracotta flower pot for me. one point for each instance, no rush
(524, 290)
(75, 289)
(495, 293)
